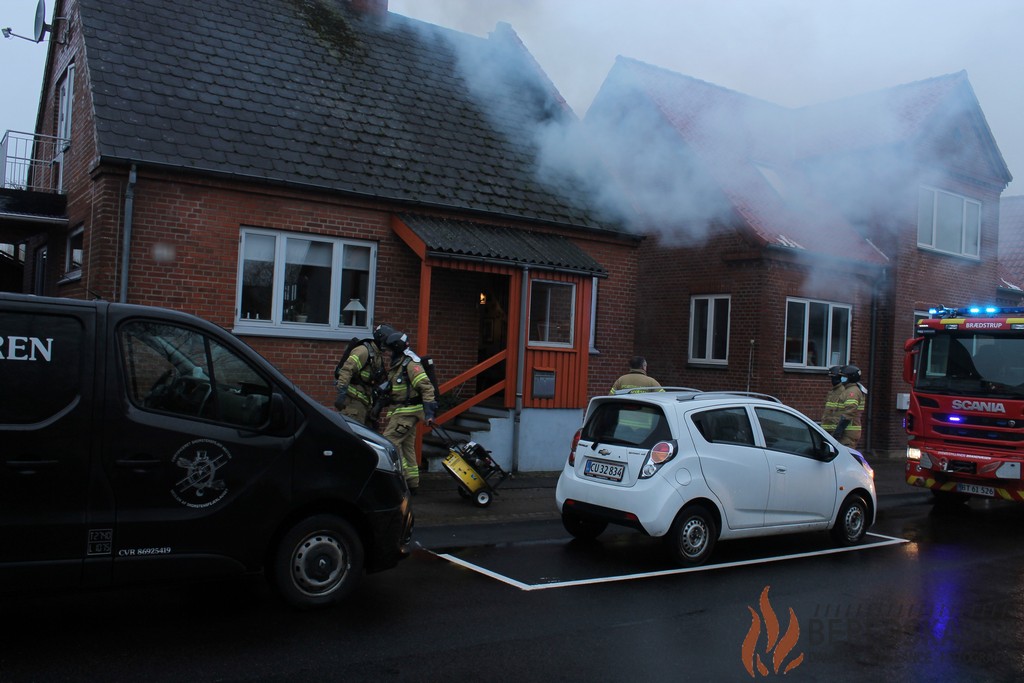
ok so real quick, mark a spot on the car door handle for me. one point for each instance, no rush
(780, 469)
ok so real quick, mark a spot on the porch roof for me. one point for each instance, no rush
(468, 240)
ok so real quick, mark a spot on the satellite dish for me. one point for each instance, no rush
(41, 26)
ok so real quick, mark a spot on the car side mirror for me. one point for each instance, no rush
(827, 452)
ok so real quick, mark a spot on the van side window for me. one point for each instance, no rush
(176, 370)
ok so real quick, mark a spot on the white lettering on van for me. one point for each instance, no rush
(26, 348)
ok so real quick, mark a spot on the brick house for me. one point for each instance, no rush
(784, 240)
(1011, 251)
(298, 172)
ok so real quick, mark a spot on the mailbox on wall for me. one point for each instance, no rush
(543, 383)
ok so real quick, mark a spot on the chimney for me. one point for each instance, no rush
(371, 8)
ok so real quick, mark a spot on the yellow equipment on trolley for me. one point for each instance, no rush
(474, 469)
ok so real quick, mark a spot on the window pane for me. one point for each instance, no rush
(720, 349)
(816, 334)
(307, 280)
(551, 312)
(784, 432)
(257, 277)
(972, 230)
(355, 285)
(700, 329)
(949, 223)
(925, 217)
(75, 251)
(794, 332)
(839, 341)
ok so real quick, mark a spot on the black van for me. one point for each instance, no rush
(141, 443)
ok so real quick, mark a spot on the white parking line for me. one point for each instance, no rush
(887, 540)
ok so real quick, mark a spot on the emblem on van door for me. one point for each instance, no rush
(199, 487)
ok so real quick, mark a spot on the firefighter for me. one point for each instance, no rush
(411, 399)
(844, 405)
(636, 378)
(360, 373)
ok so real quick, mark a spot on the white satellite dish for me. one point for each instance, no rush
(41, 26)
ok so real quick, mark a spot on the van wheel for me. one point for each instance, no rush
(692, 536)
(583, 529)
(319, 562)
(852, 521)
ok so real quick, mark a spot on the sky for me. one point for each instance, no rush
(789, 52)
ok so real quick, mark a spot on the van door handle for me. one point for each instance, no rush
(31, 466)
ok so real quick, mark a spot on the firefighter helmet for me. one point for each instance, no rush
(398, 342)
(381, 334)
(835, 374)
(851, 374)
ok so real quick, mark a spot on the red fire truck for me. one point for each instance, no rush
(965, 420)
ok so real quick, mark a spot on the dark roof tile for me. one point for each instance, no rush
(388, 89)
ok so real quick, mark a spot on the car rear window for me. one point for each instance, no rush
(627, 423)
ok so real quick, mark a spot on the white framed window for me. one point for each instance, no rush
(948, 223)
(709, 329)
(817, 333)
(73, 253)
(65, 105)
(293, 284)
(552, 313)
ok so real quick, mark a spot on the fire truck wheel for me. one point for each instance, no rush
(318, 562)
(949, 499)
(852, 521)
(482, 499)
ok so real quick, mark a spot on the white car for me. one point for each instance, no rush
(695, 467)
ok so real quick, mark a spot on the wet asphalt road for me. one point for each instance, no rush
(487, 603)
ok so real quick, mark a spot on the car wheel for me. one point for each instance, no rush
(482, 498)
(692, 536)
(319, 562)
(583, 529)
(852, 521)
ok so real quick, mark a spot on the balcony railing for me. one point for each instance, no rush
(31, 162)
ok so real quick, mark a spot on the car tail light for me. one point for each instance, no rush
(660, 453)
(572, 451)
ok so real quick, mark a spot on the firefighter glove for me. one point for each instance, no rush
(341, 399)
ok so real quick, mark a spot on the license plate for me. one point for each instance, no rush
(604, 470)
(976, 490)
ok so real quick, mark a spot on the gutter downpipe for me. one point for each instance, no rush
(129, 204)
(520, 369)
(872, 356)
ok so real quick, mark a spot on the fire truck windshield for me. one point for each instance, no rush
(975, 364)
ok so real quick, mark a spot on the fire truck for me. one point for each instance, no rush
(965, 419)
